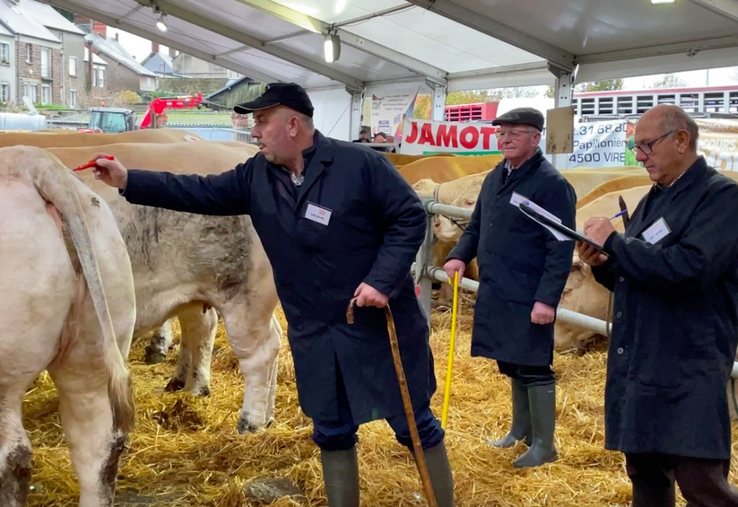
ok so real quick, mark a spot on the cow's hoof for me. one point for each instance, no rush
(203, 391)
(174, 385)
(153, 355)
(247, 426)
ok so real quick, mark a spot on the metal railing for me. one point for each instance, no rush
(237, 135)
(425, 274)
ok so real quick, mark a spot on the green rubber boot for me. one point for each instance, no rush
(341, 477)
(439, 471)
(542, 401)
(521, 426)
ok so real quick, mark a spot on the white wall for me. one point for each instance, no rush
(332, 115)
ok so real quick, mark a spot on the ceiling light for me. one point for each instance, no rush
(332, 47)
(160, 24)
(654, 2)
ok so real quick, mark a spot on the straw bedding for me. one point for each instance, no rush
(185, 450)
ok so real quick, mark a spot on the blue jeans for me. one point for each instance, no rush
(340, 435)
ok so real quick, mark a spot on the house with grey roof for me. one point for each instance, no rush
(68, 71)
(123, 72)
(31, 57)
(162, 64)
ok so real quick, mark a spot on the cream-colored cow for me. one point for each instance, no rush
(67, 306)
(72, 139)
(447, 193)
(582, 293)
(191, 266)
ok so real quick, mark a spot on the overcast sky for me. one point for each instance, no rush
(140, 48)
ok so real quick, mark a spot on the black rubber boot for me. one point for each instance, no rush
(439, 471)
(341, 477)
(521, 426)
(542, 401)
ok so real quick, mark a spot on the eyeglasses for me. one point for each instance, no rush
(513, 134)
(647, 148)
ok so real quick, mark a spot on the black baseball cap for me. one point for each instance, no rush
(279, 94)
(522, 116)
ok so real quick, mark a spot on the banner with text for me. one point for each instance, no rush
(598, 144)
(718, 142)
(719, 149)
(388, 111)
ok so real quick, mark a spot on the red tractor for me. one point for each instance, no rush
(113, 120)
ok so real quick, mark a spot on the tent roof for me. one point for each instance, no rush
(464, 44)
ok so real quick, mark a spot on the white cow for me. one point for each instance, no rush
(67, 306)
(195, 267)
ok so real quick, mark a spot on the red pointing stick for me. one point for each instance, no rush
(91, 164)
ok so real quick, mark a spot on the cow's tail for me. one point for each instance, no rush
(57, 186)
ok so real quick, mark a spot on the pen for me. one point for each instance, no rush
(91, 164)
(620, 213)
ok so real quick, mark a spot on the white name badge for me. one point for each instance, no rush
(516, 199)
(656, 232)
(318, 214)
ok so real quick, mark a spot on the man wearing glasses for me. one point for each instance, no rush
(674, 274)
(523, 271)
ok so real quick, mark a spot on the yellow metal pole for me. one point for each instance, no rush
(447, 394)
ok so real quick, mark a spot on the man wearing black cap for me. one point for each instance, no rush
(337, 222)
(523, 271)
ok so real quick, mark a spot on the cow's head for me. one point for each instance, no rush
(582, 294)
(425, 188)
(450, 229)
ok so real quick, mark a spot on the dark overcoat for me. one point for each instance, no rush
(375, 227)
(519, 261)
(675, 319)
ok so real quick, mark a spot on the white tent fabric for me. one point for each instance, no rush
(461, 44)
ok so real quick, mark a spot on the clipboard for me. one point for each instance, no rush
(569, 233)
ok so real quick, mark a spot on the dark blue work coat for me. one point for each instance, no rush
(376, 226)
(520, 262)
(675, 320)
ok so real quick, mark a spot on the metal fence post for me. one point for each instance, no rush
(423, 282)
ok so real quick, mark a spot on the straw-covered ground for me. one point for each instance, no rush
(185, 450)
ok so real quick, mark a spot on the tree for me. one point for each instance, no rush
(422, 107)
(600, 86)
(734, 75)
(516, 92)
(668, 81)
(472, 97)
(127, 97)
(550, 92)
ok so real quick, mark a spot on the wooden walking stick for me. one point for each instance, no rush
(407, 404)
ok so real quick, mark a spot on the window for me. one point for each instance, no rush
(45, 94)
(31, 91)
(72, 98)
(46, 63)
(5, 53)
(109, 122)
(4, 93)
(29, 53)
(72, 66)
(98, 76)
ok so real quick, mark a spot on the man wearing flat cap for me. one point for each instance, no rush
(523, 271)
(337, 222)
